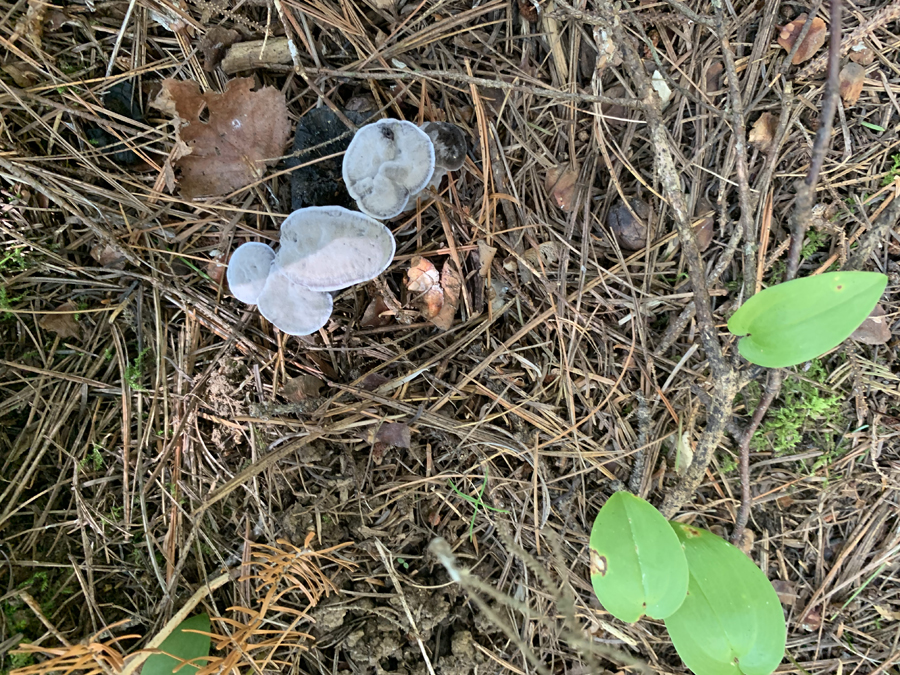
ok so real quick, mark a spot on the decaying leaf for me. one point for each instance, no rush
(485, 257)
(372, 381)
(862, 54)
(763, 132)
(529, 10)
(301, 388)
(451, 283)
(852, 77)
(541, 255)
(424, 282)
(714, 76)
(62, 321)
(376, 314)
(561, 185)
(394, 434)
(630, 232)
(246, 132)
(875, 330)
(887, 613)
(786, 591)
(704, 230)
(497, 295)
(813, 41)
(31, 25)
(108, 256)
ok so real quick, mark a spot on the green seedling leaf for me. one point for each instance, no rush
(181, 646)
(731, 622)
(637, 565)
(801, 319)
(873, 127)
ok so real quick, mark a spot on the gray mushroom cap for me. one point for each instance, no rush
(248, 270)
(386, 163)
(326, 248)
(449, 144)
(292, 308)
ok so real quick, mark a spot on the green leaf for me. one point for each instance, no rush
(637, 565)
(874, 127)
(801, 319)
(181, 645)
(731, 622)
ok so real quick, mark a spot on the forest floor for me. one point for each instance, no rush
(154, 431)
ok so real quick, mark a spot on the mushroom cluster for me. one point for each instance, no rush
(327, 248)
(323, 248)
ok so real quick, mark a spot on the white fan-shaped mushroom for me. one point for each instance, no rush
(385, 163)
(292, 308)
(248, 270)
(326, 248)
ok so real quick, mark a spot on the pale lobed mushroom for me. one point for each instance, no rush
(248, 270)
(323, 248)
(385, 164)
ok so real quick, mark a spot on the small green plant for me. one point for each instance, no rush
(94, 459)
(893, 172)
(801, 319)
(477, 501)
(134, 371)
(722, 614)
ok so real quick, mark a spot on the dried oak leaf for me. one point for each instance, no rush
(561, 185)
(451, 284)
(246, 132)
(394, 434)
(852, 77)
(301, 388)
(763, 132)
(813, 41)
(485, 257)
(424, 281)
(875, 330)
(377, 314)
(63, 323)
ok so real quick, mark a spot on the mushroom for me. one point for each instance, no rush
(386, 163)
(323, 248)
(326, 248)
(248, 270)
(449, 145)
(292, 308)
(450, 151)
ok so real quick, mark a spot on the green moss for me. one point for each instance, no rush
(804, 410)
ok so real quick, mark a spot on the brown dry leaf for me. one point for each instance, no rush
(376, 314)
(425, 282)
(529, 10)
(875, 330)
(813, 41)
(108, 256)
(31, 25)
(485, 257)
(786, 591)
(862, 54)
(714, 76)
(451, 283)
(561, 185)
(64, 324)
(246, 132)
(852, 77)
(372, 381)
(23, 74)
(301, 388)
(215, 269)
(704, 231)
(886, 613)
(214, 44)
(393, 434)
(763, 132)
